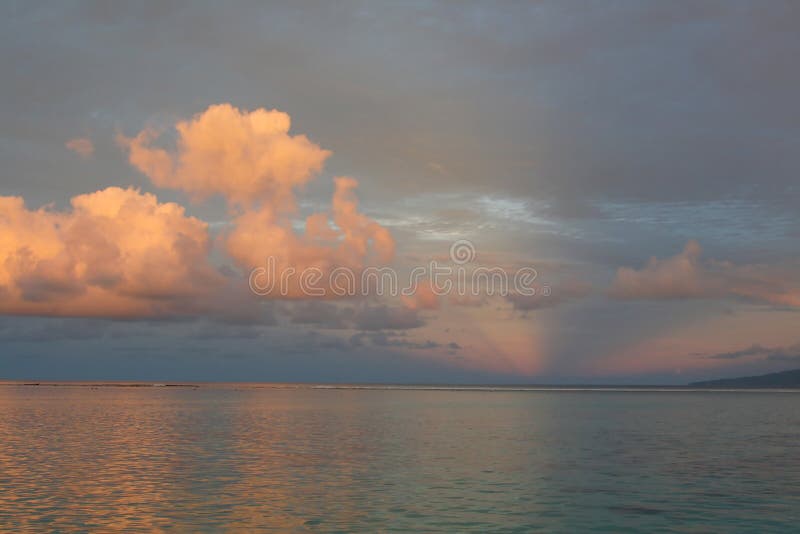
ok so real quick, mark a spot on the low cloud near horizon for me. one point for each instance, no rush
(688, 276)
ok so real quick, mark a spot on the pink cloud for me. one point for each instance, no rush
(423, 297)
(116, 252)
(251, 159)
(687, 276)
(680, 276)
(350, 245)
(244, 156)
(81, 146)
(120, 252)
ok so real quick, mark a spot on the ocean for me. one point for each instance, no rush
(248, 457)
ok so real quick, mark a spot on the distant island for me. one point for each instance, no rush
(785, 379)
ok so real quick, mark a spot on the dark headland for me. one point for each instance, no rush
(784, 379)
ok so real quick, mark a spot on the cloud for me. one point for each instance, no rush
(687, 276)
(423, 297)
(555, 296)
(116, 252)
(365, 317)
(391, 339)
(321, 314)
(244, 156)
(122, 253)
(16, 330)
(386, 318)
(252, 160)
(343, 242)
(788, 353)
(81, 146)
(680, 276)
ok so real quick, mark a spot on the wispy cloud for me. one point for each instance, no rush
(788, 353)
(82, 146)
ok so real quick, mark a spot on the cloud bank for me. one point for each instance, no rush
(687, 276)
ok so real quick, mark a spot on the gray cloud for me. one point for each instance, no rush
(363, 316)
(387, 317)
(788, 353)
(556, 295)
(393, 339)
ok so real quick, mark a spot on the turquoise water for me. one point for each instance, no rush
(303, 459)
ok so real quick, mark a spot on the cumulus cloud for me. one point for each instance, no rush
(116, 252)
(122, 253)
(81, 146)
(687, 276)
(244, 156)
(333, 249)
(251, 159)
(680, 276)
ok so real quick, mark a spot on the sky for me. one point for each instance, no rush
(163, 162)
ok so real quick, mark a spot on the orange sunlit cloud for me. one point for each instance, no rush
(120, 252)
(116, 252)
(251, 159)
(245, 156)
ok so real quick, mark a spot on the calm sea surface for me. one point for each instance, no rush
(304, 459)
